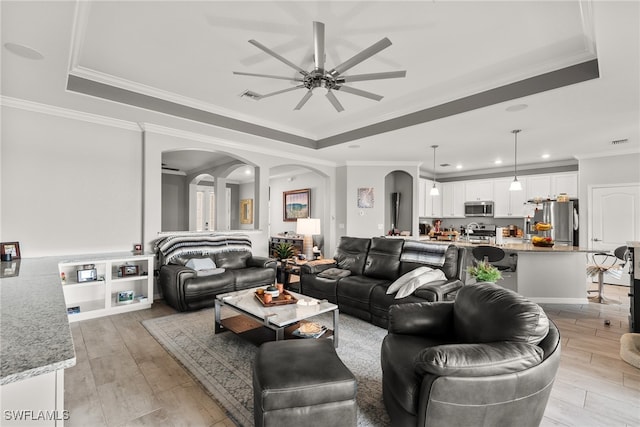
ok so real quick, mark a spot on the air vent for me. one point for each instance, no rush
(619, 141)
(444, 165)
(251, 94)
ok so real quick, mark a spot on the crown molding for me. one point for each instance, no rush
(382, 163)
(602, 154)
(117, 82)
(162, 130)
(67, 113)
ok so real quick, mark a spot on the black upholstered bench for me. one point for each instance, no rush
(302, 383)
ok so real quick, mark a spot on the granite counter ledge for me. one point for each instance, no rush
(35, 337)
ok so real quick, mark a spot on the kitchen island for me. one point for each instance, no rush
(556, 274)
(36, 343)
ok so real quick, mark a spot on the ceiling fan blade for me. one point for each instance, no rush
(334, 101)
(269, 76)
(278, 57)
(358, 92)
(373, 76)
(289, 89)
(359, 57)
(318, 44)
(304, 100)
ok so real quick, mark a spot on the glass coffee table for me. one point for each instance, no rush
(278, 318)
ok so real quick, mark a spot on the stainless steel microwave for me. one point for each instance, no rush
(478, 208)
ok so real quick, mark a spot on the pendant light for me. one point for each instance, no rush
(434, 190)
(515, 184)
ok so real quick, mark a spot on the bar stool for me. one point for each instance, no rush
(602, 262)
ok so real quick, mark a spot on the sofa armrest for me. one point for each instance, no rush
(260, 261)
(310, 268)
(477, 360)
(172, 280)
(421, 318)
(442, 289)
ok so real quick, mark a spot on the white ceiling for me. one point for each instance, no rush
(185, 52)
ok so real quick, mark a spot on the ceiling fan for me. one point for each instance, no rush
(332, 80)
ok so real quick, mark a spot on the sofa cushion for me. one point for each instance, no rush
(334, 273)
(351, 253)
(232, 260)
(383, 259)
(450, 266)
(405, 278)
(196, 263)
(412, 285)
(486, 312)
(477, 360)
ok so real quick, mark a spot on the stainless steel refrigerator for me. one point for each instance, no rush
(563, 217)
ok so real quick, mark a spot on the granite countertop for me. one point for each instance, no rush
(516, 246)
(35, 337)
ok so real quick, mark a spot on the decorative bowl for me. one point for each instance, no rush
(543, 244)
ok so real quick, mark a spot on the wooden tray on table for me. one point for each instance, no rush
(280, 300)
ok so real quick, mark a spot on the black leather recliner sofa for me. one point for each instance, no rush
(235, 268)
(487, 359)
(373, 265)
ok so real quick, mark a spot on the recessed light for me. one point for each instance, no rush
(23, 51)
(497, 162)
(546, 156)
(354, 146)
(517, 107)
(247, 171)
(458, 166)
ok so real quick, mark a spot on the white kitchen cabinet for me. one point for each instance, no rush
(509, 204)
(433, 205)
(538, 187)
(549, 186)
(564, 183)
(481, 190)
(453, 198)
(423, 185)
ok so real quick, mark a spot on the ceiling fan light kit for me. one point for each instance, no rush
(332, 80)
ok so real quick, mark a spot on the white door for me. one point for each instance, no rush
(615, 219)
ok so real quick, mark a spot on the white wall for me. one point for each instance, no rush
(69, 186)
(369, 222)
(278, 186)
(624, 169)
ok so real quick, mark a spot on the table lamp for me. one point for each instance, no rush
(308, 227)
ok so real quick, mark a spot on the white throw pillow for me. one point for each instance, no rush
(404, 279)
(416, 282)
(201, 264)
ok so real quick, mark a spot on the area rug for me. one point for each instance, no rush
(222, 362)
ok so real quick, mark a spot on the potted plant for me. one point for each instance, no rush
(485, 272)
(283, 251)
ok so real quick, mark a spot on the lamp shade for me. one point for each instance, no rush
(515, 185)
(308, 226)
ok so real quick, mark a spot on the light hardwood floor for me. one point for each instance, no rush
(123, 377)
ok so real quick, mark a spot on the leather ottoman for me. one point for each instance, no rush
(302, 383)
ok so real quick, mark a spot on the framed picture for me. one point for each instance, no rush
(124, 297)
(10, 248)
(296, 204)
(365, 197)
(246, 211)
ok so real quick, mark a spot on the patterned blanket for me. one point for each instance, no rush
(172, 247)
(424, 253)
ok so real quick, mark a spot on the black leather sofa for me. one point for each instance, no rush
(185, 288)
(489, 358)
(373, 265)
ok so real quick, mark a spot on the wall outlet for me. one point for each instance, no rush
(341, 226)
(380, 226)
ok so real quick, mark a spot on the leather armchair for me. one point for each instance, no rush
(489, 358)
